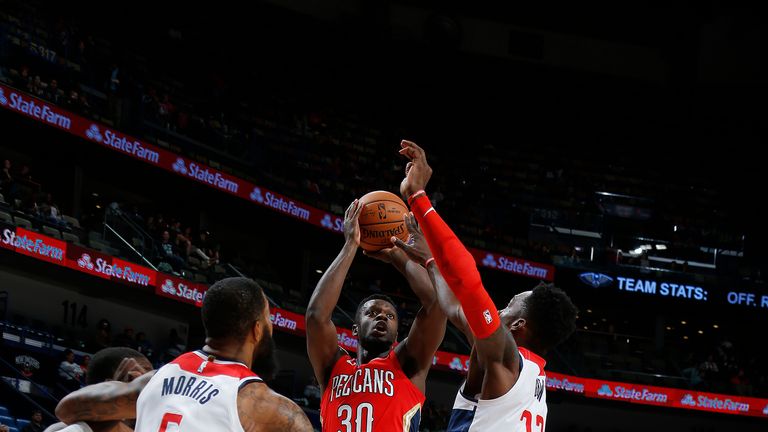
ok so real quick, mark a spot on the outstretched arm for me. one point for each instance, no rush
(418, 251)
(322, 341)
(496, 349)
(110, 400)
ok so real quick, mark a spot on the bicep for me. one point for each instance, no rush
(424, 337)
(500, 360)
(322, 347)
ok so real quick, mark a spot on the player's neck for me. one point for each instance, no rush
(364, 356)
(228, 351)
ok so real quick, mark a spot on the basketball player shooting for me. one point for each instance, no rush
(505, 389)
(381, 388)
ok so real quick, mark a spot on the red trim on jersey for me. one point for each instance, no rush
(191, 361)
(529, 355)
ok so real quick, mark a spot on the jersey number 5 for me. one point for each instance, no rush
(170, 419)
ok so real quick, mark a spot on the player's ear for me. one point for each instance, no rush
(257, 331)
(354, 329)
(517, 324)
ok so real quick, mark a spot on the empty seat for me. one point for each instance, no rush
(6, 420)
(70, 238)
(3, 411)
(71, 221)
(22, 423)
(53, 232)
(6, 217)
(195, 262)
(21, 222)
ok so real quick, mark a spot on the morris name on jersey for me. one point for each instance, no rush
(198, 389)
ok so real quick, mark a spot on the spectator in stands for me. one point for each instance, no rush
(84, 367)
(49, 211)
(35, 422)
(52, 92)
(4, 428)
(143, 345)
(126, 339)
(6, 178)
(69, 372)
(103, 337)
(83, 106)
(73, 100)
(37, 86)
(169, 252)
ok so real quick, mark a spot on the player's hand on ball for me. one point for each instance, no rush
(416, 248)
(417, 171)
(351, 224)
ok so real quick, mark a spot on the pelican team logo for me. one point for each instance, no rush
(179, 166)
(605, 390)
(3, 99)
(688, 400)
(596, 280)
(85, 262)
(489, 261)
(94, 133)
(256, 196)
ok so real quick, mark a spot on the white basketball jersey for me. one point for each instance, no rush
(522, 409)
(192, 394)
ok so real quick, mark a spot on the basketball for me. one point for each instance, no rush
(381, 219)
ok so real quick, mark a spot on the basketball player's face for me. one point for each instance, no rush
(378, 325)
(514, 309)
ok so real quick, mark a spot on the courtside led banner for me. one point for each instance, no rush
(87, 261)
(97, 133)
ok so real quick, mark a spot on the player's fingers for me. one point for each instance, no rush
(409, 224)
(408, 167)
(415, 149)
(358, 209)
(401, 244)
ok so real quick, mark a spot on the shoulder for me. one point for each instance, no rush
(261, 409)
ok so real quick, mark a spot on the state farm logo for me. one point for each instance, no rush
(168, 287)
(3, 99)
(256, 196)
(182, 291)
(688, 400)
(179, 166)
(489, 261)
(605, 390)
(94, 133)
(456, 364)
(326, 222)
(85, 262)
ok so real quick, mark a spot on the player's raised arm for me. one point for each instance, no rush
(322, 342)
(496, 349)
(428, 329)
(418, 251)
